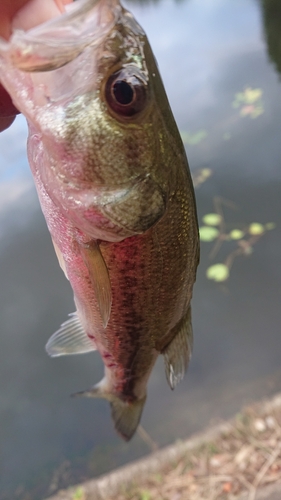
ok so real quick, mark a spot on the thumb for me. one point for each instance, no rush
(35, 12)
(22, 14)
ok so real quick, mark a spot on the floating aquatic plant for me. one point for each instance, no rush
(212, 219)
(193, 139)
(249, 102)
(215, 229)
(208, 233)
(256, 228)
(226, 136)
(200, 176)
(218, 272)
(236, 234)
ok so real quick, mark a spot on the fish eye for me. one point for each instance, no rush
(126, 92)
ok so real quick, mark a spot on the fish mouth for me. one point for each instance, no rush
(54, 43)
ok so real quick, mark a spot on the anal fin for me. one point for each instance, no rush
(99, 277)
(177, 354)
(71, 338)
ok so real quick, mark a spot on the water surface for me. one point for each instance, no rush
(208, 51)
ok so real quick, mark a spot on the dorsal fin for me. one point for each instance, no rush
(70, 339)
(99, 277)
(177, 354)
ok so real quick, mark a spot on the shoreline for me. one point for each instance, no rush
(239, 459)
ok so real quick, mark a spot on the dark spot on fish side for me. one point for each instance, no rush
(111, 365)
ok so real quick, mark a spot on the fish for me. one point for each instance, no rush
(115, 188)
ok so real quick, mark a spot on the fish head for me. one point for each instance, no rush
(96, 107)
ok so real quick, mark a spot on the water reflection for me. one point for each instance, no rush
(271, 10)
(207, 56)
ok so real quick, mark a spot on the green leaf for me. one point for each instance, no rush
(256, 228)
(193, 139)
(208, 233)
(236, 234)
(217, 272)
(257, 111)
(158, 478)
(79, 494)
(250, 102)
(145, 495)
(270, 225)
(206, 172)
(212, 219)
(226, 136)
(252, 95)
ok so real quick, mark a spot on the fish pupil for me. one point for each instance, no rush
(123, 92)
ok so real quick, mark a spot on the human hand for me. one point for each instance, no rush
(23, 14)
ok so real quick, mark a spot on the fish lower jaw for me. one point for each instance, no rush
(111, 215)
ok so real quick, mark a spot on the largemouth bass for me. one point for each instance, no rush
(115, 188)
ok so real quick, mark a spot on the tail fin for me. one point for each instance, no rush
(125, 415)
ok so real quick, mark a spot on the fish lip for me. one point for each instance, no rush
(22, 48)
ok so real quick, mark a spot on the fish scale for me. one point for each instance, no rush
(115, 188)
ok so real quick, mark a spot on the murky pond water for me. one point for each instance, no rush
(225, 92)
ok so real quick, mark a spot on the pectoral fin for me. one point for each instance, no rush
(177, 354)
(70, 339)
(99, 277)
(125, 415)
(60, 258)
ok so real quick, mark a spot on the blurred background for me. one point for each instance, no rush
(220, 62)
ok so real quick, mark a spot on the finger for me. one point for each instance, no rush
(44, 9)
(36, 12)
(7, 108)
(5, 122)
(22, 14)
(8, 9)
